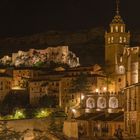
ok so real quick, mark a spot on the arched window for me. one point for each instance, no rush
(112, 39)
(116, 28)
(122, 30)
(113, 102)
(109, 40)
(124, 39)
(101, 102)
(90, 103)
(121, 69)
(121, 39)
(111, 29)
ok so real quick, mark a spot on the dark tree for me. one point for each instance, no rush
(80, 84)
(48, 101)
(14, 100)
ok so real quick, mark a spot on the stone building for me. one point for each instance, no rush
(123, 61)
(34, 57)
(22, 75)
(116, 39)
(104, 101)
(5, 85)
(132, 89)
(94, 125)
(58, 83)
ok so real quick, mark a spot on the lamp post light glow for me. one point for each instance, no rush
(19, 114)
(97, 90)
(73, 110)
(82, 97)
(104, 89)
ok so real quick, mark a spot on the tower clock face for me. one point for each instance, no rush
(101, 103)
(113, 102)
(90, 103)
(121, 70)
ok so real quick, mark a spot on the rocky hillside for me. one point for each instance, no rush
(87, 44)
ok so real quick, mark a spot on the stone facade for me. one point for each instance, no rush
(94, 125)
(122, 62)
(106, 101)
(33, 57)
(115, 41)
(132, 89)
(5, 85)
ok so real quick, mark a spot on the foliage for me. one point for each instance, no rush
(54, 65)
(41, 113)
(39, 64)
(109, 74)
(13, 100)
(19, 114)
(48, 101)
(30, 112)
(80, 84)
(59, 114)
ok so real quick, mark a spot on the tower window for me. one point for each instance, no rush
(111, 29)
(112, 39)
(120, 39)
(122, 29)
(116, 28)
(121, 59)
(119, 80)
(109, 40)
(121, 69)
(124, 39)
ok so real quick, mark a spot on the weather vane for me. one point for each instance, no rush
(117, 3)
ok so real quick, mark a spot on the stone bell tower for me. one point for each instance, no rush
(115, 40)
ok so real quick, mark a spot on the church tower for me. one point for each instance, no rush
(115, 40)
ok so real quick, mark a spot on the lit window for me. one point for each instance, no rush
(112, 39)
(121, 59)
(116, 28)
(111, 29)
(121, 70)
(124, 39)
(109, 40)
(121, 28)
(120, 39)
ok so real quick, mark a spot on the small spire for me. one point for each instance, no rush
(117, 8)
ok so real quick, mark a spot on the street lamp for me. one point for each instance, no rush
(82, 97)
(104, 89)
(97, 90)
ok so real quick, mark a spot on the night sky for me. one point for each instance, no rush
(25, 17)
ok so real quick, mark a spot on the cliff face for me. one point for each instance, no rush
(87, 44)
(44, 57)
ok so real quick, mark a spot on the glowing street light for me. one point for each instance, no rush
(73, 110)
(104, 89)
(97, 90)
(82, 97)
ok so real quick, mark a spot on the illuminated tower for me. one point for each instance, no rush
(115, 40)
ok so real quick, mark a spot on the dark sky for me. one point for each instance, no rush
(23, 17)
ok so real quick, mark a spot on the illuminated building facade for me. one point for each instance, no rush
(123, 63)
(115, 41)
(5, 85)
(132, 90)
